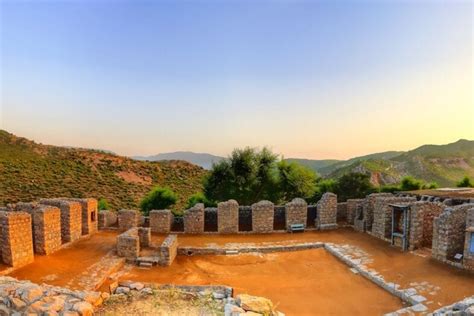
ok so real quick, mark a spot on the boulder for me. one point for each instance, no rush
(83, 308)
(256, 304)
(30, 293)
(122, 290)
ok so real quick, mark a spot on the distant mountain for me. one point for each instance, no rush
(201, 159)
(316, 165)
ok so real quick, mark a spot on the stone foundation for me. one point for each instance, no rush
(71, 218)
(262, 217)
(228, 217)
(422, 215)
(351, 209)
(128, 219)
(327, 211)
(194, 219)
(89, 215)
(107, 219)
(296, 212)
(16, 238)
(168, 250)
(382, 214)
(161, 221)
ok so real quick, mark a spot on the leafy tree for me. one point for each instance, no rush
(157, 199)
(409, 184)
(353, 185)
(103, 204)
(389, 188)
(199, 198)
(323, 186)
(295, 180)
(465, 183)
(431, 185)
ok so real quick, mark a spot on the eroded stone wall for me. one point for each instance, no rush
(89, 215)
(351, 209)
(228, 217)
(71, 218)
(194, 219)
(327, 211)
(107, 219)
(262, 217)
(144, 236)
(382, 214)
(468, 260)
(16, 238)
(168, 250)
(296, 212)
(128, 219)
(128, 244)
(422, 215)
(368, 209)
(161, 221)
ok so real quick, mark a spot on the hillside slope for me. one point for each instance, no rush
(29, 171)
(200, 159)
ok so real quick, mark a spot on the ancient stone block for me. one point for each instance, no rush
(296, 212)
(382, 214)
(16, 238)
(128, 244)
(161, 221)
(422, 215)
(194, 219)
(107, 219)
(262, 217)
(71, 218)
(168, 250)
(327, 211)
(89, 215)
(351, 208)
(128, 219)
(228, 217)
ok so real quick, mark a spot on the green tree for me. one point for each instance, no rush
(199, 198)
(323, 186)
(465, 183)
(353, 185)
(409, 184)
(431, 185)
(103, 204)
(157, 199)
(295, 180)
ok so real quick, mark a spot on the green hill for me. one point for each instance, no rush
(29, 171)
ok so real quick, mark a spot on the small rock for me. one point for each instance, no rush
(83, 308)
(419, 308)
(147, 291)
(30, 293)
(122, 290)
(257, 304)
(17, 303)
(418, 298)
(218, 296)
(232, 310)
(136, 286)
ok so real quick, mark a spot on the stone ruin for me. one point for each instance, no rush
(422, 215)
(89, 215)
(107, 219)
(366, 215)
(194, 219)
(351, 209)
(469, 241)
(161, 221)
(71, 218)
(296, 212)
(16, 238)
(382, 214)
(168, 250)
(327, 212)
(128, 219)
(130, 242)
(228, 217)
(262, 217)
(342, 212)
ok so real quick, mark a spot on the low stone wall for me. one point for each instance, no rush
(194, 219)
(228, 217)
(71, 218)
(327, 211)
(107, 219)
(161, 221)
(468, 260)
(382, 214)
(128, 219)
(16, 238)
(296, 212)
(168, 250)
(144, 236)
(464, 307)
(351, 209)
(262, 217)
(128, 244)
(342, 212)
(368, 209)
(422, 215)
(89, 215)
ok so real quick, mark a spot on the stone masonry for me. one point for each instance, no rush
(262, 217)
(89, 215)
(368, 209)
(351, 209)
(228, 217)
(71, 218)
(168, 250)
(449, 232)
(128, 219)
(161, 221)
(382, 214)
(107, 219)
(128, 244)
(296, 212)
(194, 219)
(16, 238)
(468, 261)
(144, 236)
(327, 211)
(342, 212)
(422, 215)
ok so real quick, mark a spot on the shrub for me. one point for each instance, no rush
(199, 198)
(158, 199)
(465, 183)
(353, 185)
(103, 204)
(295, 180)
(389, 188)
(431, 185)
(409, 184)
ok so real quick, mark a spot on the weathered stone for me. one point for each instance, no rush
(71, 218)
(228, 217)
(30, 293)
(83, 308)
(128, 219)
(255, 304)
(296, 212)
(194, 219)
(16, 239)
(262, 217)
(168, 250)
(122, 290)
(161, 221)
(89, 212)
(136, 286)
(107, 219)
(327, 211)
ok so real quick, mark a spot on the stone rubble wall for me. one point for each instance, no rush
(468, 260)
(144, 236)
(296, 212)
(368, 209)
(228, 217)
(449, 231)
(107, 219)
(422, 215)
(71, 218)
(262, 217)
(351, 209)
(194, 219)
(128, 244)
(161, 221)
(128, 219)
(327, 211)
(16, 238)
(382, 214)
(168, 250)
(342, 212)
(90, 215)
(464, 307)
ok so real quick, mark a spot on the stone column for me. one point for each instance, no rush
(296, 212)
(327, 211)
(16, 239)
(262, 217)
(128, 244)
(128, 219)
(161, 221)
(89, 215)
(194, 219)
(71, 218)
(228, 217)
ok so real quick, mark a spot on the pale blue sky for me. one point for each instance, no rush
(310, 79)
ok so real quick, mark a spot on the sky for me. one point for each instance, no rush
(310, 79)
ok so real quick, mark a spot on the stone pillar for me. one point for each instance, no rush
(161, 221)
(168, 250)
(128, 244)
(228, 217)
(262, 217)
(16, 238)
(107, 219)
(327, 211)
(89, 215)
(352, 205)
(71, 218)
(468, 261)
(128, 219)
(296, 212)
(382, 214)
(368, 209)
(194, 219)
(144, 235)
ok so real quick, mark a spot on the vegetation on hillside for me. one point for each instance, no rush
(158, 199)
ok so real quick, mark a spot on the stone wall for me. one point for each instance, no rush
(422, 215)
(351, 209)
(368, 209)
(16, 238)
(228, 217)
(128, 219)
(262, 217)
(468, 260)
(449, 232)
(71, 218)
(327, 211)
(194, 219)
(161, 221)
(107, 219)
(144, 236)
(296, 212)
(342, 212)
(382, 214)
(168, 250)
(89, 215)
(128, 244)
